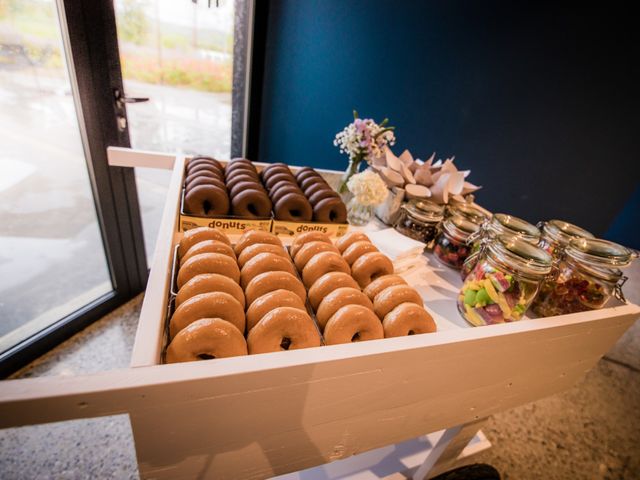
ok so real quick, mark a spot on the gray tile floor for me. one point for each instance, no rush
(591, 431)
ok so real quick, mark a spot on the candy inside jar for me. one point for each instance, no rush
(451, 246)
(419, 220)
(504, 282)
(585, 278)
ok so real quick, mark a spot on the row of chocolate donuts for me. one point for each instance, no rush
(249, 198)
(289, 202)
(326, 203)
(205, 192)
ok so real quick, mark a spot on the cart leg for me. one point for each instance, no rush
(444, 453)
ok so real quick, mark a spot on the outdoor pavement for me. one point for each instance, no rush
(51, 259)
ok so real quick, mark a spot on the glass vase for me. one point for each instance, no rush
(352, 169)
(358, 214)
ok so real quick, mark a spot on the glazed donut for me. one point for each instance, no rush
(279, 177)
(391, 297)
(208, 246)
(369, 267)
(205, 339)
(253, 250)
(357, 249)
(270, 301)
(308, 181)
(380, 283)
(240, 159)
(210, 282)
(270, 281)
(241, 164)
(199, 234)
(241, 187)
(243, 171)
(326, 284)
(251, 204)
(264, 262)
(288, 176)
(309, 249)
(351, 237)
(330, 210)
(206, 200)
(284, 328)
(321, 195)
(281, 189)
(338, 299)
(208, 263)
(307, 237)
(204, 180)
(207, 305)
(251, 237)
(321, 263)
(301, 172)
(352, 323)
(293, 207)
(239, 169)
(408, 319)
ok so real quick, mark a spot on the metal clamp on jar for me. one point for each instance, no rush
(556, 235)
(504, 281)
(585, 278)
(419, 219)
(451, 246)
(500, 224)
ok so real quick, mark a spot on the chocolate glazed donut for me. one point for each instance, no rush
(251, 204)
(321, 195)
(206, 200)
(316, 187)
(205, 168)
(283, 188)
(279, 177)
(241, 186)
(196, 181)
(330, 210)
(275, 167)
(294, 207)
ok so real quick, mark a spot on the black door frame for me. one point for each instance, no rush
(89, 33)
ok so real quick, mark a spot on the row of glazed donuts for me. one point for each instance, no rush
(209, 319)
(212, 190)
(205, 192)
(396, 304)
(327, 205)
(343, 312)
(277, 317)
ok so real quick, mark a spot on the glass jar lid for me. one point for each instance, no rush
(520, 256)
(501, 223)
(600, 253)
(562, 232)
(424, 210)
(460, 227)
(470, 212)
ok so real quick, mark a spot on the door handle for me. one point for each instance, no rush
(134, 99)
(121, 99)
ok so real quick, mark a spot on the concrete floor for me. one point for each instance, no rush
(591, 431)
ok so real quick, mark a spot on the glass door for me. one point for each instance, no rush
(69, 249)
(178, 54)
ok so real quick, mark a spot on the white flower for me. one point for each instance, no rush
(368, 188)
(364, 138)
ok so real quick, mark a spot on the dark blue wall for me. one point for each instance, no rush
(539, 100)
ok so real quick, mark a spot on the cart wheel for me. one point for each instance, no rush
(477, 471)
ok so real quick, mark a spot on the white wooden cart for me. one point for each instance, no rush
(259, 416)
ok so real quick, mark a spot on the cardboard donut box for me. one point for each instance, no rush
(231, 224)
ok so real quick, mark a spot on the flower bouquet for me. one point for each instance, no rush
(362, 140)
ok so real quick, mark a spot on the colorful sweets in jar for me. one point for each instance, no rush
(451, 247)
(419, 219)
(504, 282)
(556, 235)
(585, 278)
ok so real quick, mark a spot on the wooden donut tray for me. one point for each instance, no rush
(236, 225)
(258, 416)
(173, 292)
